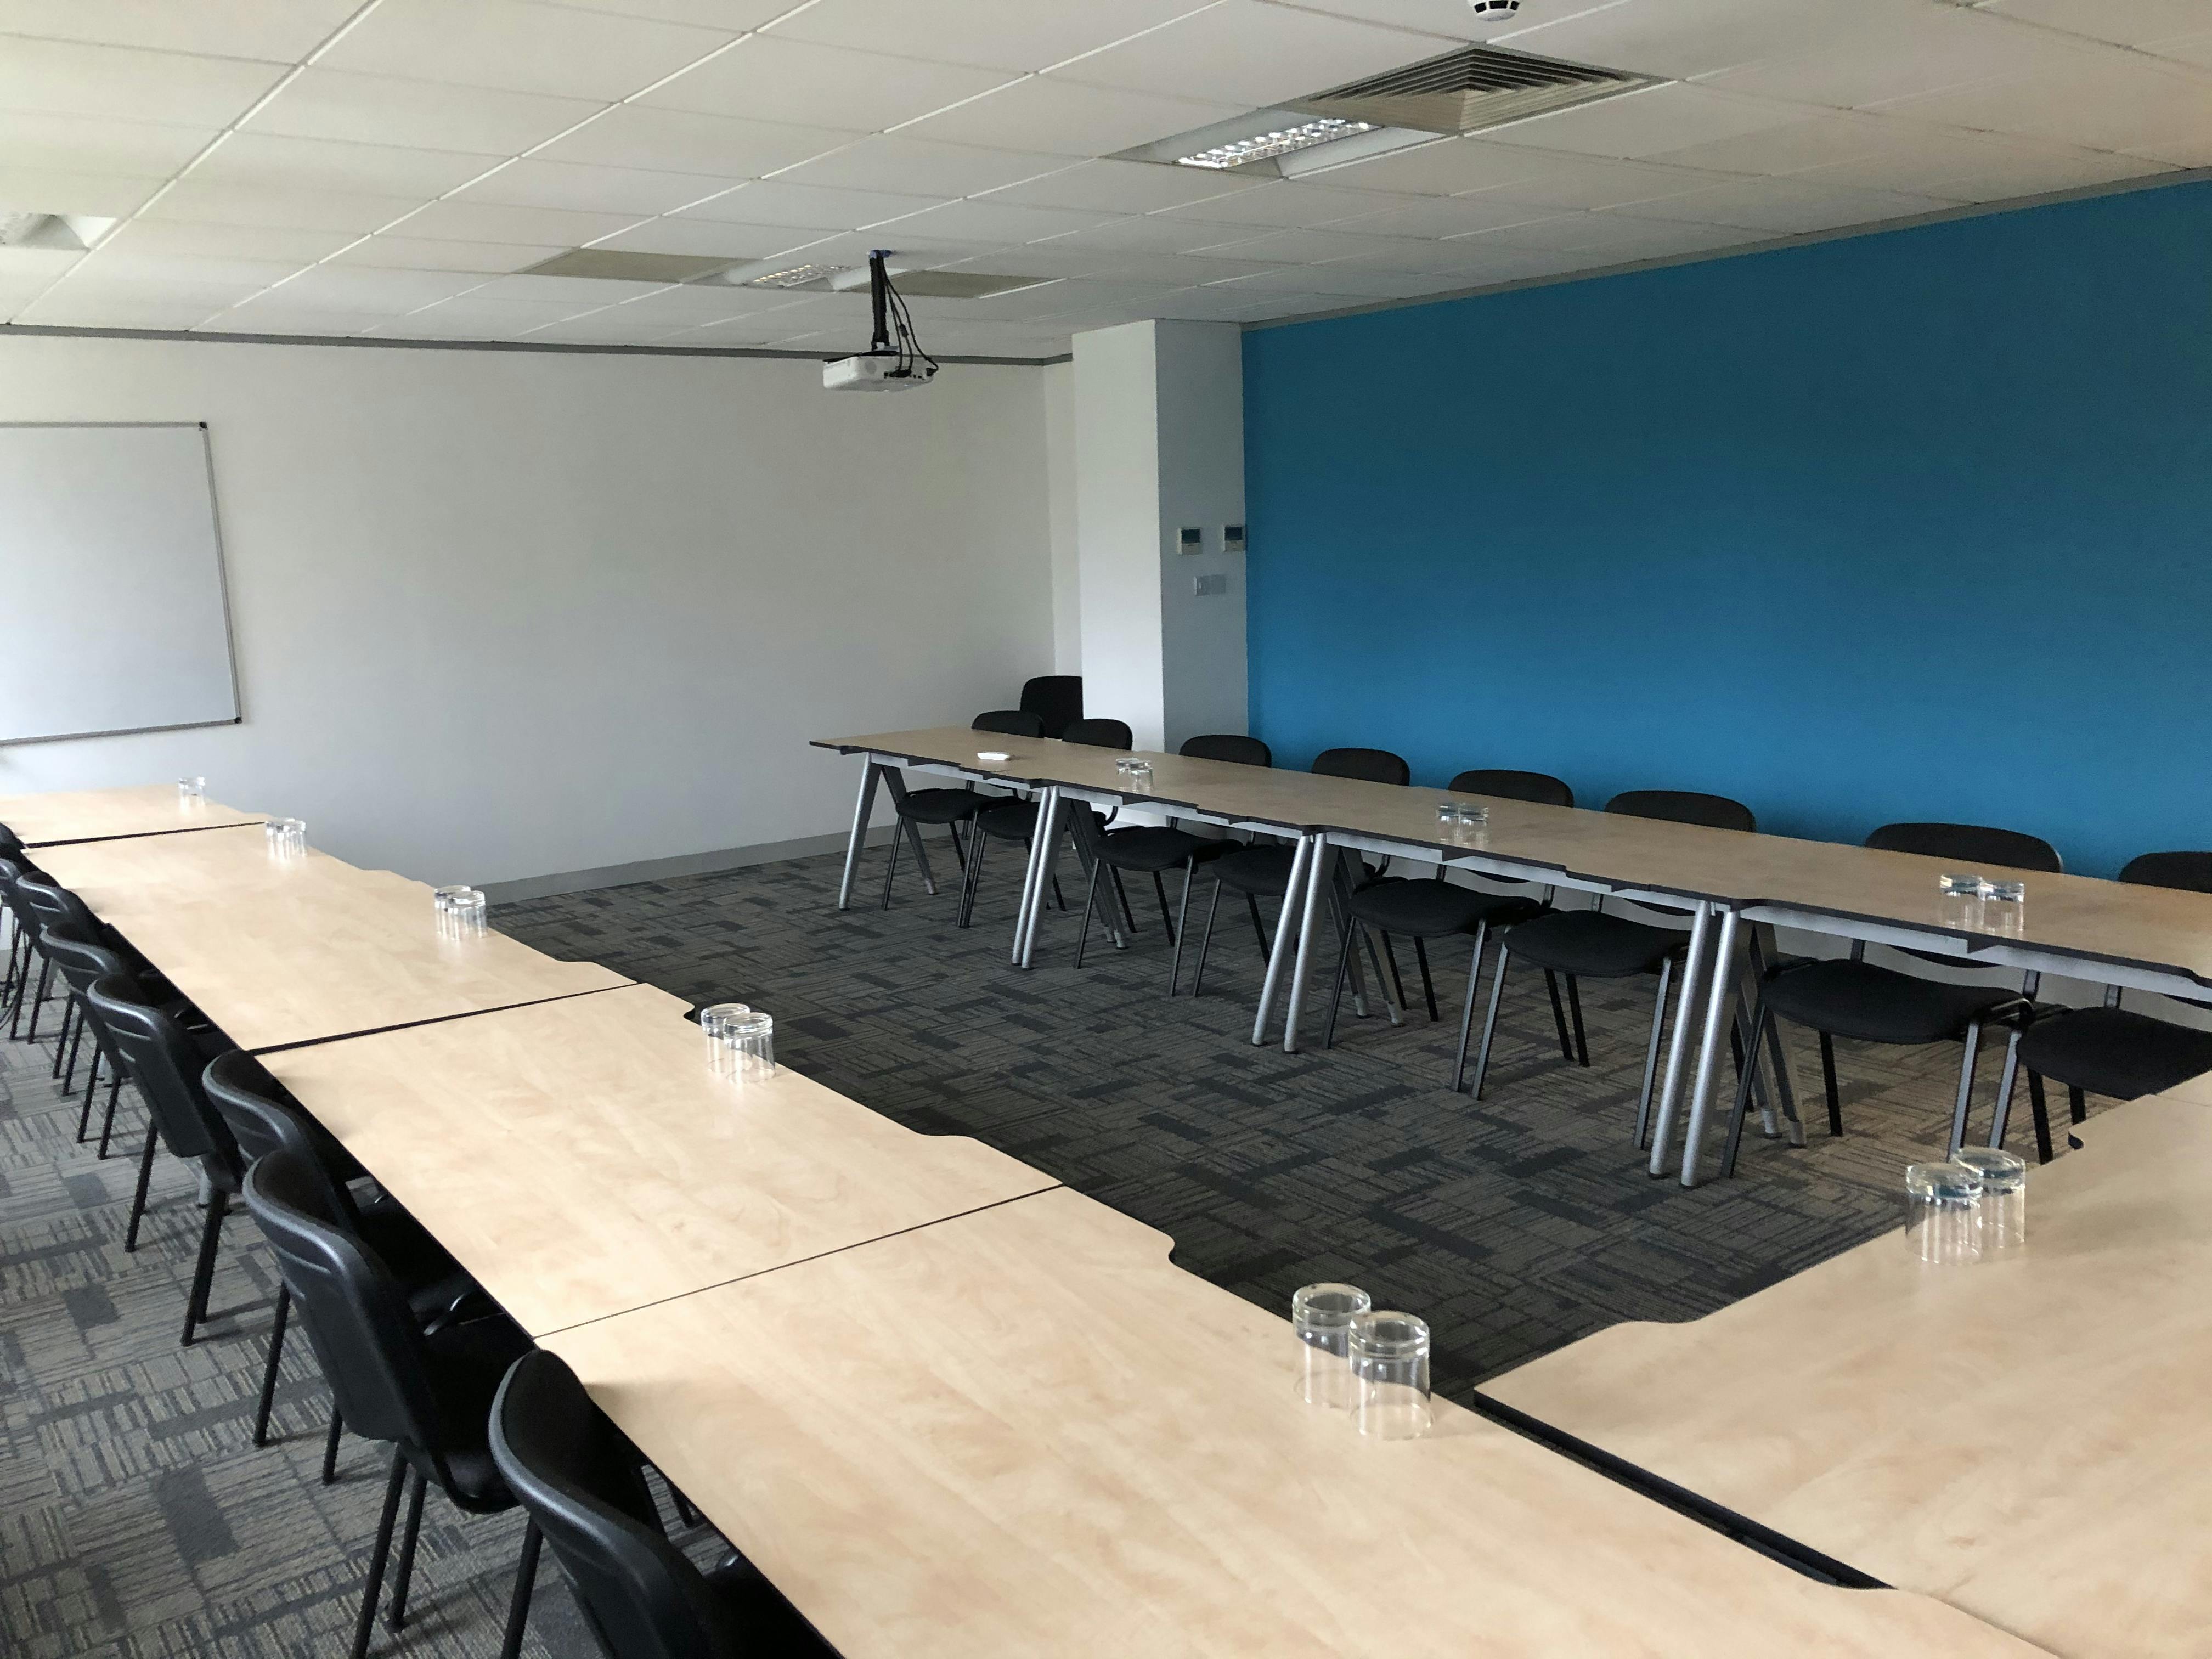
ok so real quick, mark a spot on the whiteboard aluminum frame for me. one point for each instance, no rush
(221, 580)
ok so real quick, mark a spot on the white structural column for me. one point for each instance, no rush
(1159, 447)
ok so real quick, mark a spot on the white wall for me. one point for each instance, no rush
(1059, 468)
(502, 615)
(1200, 376)
(1117, 510)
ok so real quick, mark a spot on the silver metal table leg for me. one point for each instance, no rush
(1678, 1051)
(1304, 860)
(1720, 1005)
(860, 809)
(1044, 843)
(1308, 926)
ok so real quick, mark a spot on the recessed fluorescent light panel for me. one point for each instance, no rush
(789, 275)
(1281, 141)
(619, 265)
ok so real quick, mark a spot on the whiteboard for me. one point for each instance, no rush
(111, 575)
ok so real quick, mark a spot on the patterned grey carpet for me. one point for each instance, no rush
(137, 1518)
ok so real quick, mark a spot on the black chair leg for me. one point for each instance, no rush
(396, 1619)
(1090, 909)
(959, 852)
(1558, 1015)
(108, 1118)
(1182, 924)
(1760, 1015)
(1651, 1056)
(62, 1040)
(1467, 1014)
(1259, 928)
(1828, 1083)
(1160, 890)
(1121, 895)
(1345, 947)
(1968, 1066)
(1206, 942)
(203, 1269)
(331, 1448)
(1490, 1019)
(975, 881)
(2078, 1104)
(891, 866)
(138, 1199)
(84, 1113)
(1574, 1018)
(38, 1000)
(1389, 956)
(269, 1369)
(1428, 984)
(380, 1554)
(2041, 1109)
(518, 1607)
(76, 1034)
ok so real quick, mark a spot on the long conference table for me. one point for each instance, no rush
(1730, 883)
(947, 1405)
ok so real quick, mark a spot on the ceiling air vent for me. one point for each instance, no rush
(1469, 89)
(620, 265)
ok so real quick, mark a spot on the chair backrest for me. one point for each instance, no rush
(1970, 843)
(1229, 747)
(578, 1476)
(1683, 807)
(1098, 734)
(1014, 722)
(1374, 765)
(166, 1068)
(81, 960)
(1055, 699)
(356, 1315)
(263, 1119)
(1505, 784)
(10, 844)
(51, 902)
(2191, 872)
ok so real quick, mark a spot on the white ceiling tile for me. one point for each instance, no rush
(1168, 269)
(683, 140)
(114, 265)
(1680, 39)
(63, 309)
(573, 292)
(688, 303)
(41, 264)
(73, 144)
(519, 48)
(1449, 19)
(322, 103)
(163, 290)
(48, 189)
(1554, 178)
(491, 221)
(1927, 48)
(1823, 139)
(1157, 233)
(210, 202)
(1241, 51)
(1108, 186)
(261, 158)
(2129, 22)
(1646, 123)
(1285, 205)
(472, 318)
(1602, 236)
(992, 221)
(1051, 260)
(1345, 277)
(1436, 216)
(252, 317)
(1300, 248)
(704, 236)
(202, 241)
(367, 287)
(2192, 49)
(1448, 166)
(603, 328)
(767, 78)
(119, 83)
(1008, 35)
(2115, 101)
(1788, 206)
(853, 248)
(1972, 166)
(915, 167)
(280, 30)
(734, 14)
(591, 189)
(413, 253)
(807, 207)
(1046, 113)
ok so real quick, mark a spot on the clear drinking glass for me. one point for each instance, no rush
(749, 1044)
(2004, 908)
(191, 789)
(714, 1023)
(442, 898)
(1134, 771)
(2002, 1213)
(287, 837)
(1322, 1316)
(462, 915)
(1391, 1373)
(1942, 1213)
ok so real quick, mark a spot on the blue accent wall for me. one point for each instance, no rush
(1916, 525)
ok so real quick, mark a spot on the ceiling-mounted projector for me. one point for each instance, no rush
(894, 360)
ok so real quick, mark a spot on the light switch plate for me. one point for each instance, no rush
(1207, 587)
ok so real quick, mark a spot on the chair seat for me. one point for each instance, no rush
(1429, 908)
(1591, 945)
(1256, 870)
(433, 1280)
(774, 1628)
(2115, 1052)
(1009, 820)
(465, 1365)
(1152, 847)
(940, 806)
(1880, 1005)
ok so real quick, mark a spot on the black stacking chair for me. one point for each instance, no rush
(34, 899)
(429, 1394)
(1258, 872)
(1851, 997)
(264, 1118)
(1016, 820)
(2111, 1051)
(578, 1476)
(82, 963)
(1056, 700)
(1594, 944)
(165, 1065)
(1505, 784)
(953, 807)
(1153, 848)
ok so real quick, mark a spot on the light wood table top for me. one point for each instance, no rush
(1024, 1432)
(288, 950)
(153, 808)
(2026, 1438)
(2092, 921)
(581, 1159)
